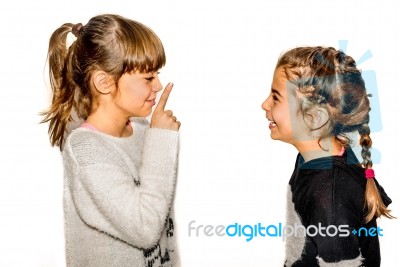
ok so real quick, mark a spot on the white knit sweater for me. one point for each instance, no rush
(117, 197)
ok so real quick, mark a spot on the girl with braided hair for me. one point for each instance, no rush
(119, 170)
(317, 100)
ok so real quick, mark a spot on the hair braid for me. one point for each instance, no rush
(373, 201)
(365, 143)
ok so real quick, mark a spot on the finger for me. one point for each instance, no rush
(164, 97)
(169, 113)
(173, 118)
(179, 124)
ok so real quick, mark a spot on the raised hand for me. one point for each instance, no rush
(164, 118)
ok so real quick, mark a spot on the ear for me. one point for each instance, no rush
(317, 118)
(102, 82)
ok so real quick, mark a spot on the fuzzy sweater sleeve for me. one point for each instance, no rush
(105, 189)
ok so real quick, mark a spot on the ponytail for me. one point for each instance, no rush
(62, 85)
(373, 201)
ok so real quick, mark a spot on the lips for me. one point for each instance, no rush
(151, 101)
(272, 123)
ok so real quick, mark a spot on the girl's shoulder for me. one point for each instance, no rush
(335, 173)
(337, 176)
(85, 143)
(85, 146)
(328, 168)
(86, 136)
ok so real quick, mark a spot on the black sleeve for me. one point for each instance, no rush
(334, 210)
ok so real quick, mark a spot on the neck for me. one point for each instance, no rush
(108, 123)
(313, 149)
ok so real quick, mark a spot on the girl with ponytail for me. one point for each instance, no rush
(317, 101)
(119, 169)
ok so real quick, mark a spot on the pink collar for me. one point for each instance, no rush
(342, 150)
(89, 126)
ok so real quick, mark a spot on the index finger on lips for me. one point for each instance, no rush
(164, 97)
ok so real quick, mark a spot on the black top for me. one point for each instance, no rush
(329, 192)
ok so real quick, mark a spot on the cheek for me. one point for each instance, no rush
(140, 94)
(282, 114)
(288, 120)
(295, 116)
(145, 93)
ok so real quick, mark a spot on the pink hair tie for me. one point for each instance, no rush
(369, 173)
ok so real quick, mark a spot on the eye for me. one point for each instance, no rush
(151, 77)
(275, 98)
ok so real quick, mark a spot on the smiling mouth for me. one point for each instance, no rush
(272, 123)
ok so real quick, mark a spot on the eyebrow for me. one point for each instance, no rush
(275, 92)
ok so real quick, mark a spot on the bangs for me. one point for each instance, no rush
(144, 51)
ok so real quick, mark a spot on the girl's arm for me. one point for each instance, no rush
(337, 209)
(104, 191)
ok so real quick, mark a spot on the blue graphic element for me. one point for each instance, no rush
(367, 55)
(375, 120)
(343, 45)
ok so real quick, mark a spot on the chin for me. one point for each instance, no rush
(146, 114)
(274, 137)
(143, 113)
(277, 139)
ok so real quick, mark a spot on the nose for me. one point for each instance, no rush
(266, 105)
(157, 86)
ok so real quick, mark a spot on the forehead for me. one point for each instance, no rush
(280, 81)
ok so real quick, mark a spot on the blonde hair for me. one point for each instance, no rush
(110, 43)
(326, 76)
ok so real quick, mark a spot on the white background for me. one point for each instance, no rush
(220, 55)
